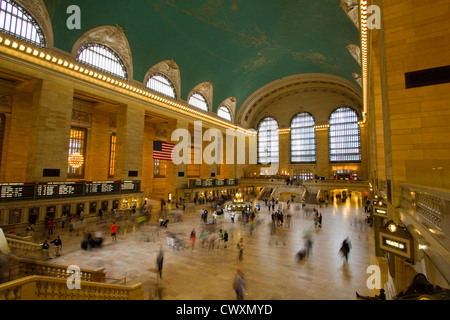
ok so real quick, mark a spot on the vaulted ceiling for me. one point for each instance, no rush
(238, 45)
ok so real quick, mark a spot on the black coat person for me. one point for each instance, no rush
(345, 249)
(159, 262)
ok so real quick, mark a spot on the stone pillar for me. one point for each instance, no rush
(180, 182)
(129, 143)
(322, 153)
(51, 115)
(284, 151)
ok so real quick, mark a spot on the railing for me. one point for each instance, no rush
(48, 288)
(14, 236)
(28, 267)
(426, 204)
(23, 245)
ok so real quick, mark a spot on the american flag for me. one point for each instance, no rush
(162, 150)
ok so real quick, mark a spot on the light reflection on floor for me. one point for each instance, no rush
(269, 264)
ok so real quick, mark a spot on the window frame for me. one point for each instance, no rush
(27, 18)
(77, 173)
(355, 137)
(222, 107)
(277, 140)
(167, 85)
(292, 131)
(112, 154)
(194, 95)
(116, 58)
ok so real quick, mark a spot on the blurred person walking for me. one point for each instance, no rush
(240, 246)
(159, 263)
(239, 285)
(225, 238)
(345, 249)
(192, 237)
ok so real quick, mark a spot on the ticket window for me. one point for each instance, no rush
(66, 209)
(105, 206)
(14, 216)
(50, 212)
(33, 215)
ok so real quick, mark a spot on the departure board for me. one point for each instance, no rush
(129, 186)
(10, 191)
(55, 189)
(93, 187)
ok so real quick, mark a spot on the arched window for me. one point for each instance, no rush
(303, 138)
(102, 58)
(17, 22)
(161, 84)
(224, 112)
(198, 100)
(345, 142)
(268, 141)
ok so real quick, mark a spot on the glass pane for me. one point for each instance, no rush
(345, 144)
(268, 143)
(223, 112)
(103, 58)
(15, 21)
(159, 83)
(303, 138)
(198, 100)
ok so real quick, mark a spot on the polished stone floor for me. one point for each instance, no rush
(269, 264)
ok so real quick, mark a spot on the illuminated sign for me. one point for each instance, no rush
(381, 212)
(45, 190)
(396, 245)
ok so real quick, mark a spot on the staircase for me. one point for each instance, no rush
(311, 197)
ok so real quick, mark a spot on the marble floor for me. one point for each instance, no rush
(269, 265)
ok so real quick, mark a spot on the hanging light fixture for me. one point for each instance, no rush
(76, 160)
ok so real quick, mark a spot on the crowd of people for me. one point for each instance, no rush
(213, 233)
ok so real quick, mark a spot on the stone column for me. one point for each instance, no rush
(322, 153)
(51, 116)
(129, 143)
(284, 151)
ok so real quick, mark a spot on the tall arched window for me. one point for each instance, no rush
(17, 22)
(345, 142)
(160, 83)
(224, 112)
(303, 138)
(102, 58)
(199, 101)
(268, 141)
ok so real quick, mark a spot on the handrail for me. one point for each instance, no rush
(16, 237)
(48, 288)
(30, 267)
(23, 245)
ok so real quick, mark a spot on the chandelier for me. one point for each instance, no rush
(76, 160)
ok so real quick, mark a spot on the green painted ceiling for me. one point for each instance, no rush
(239, 45)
